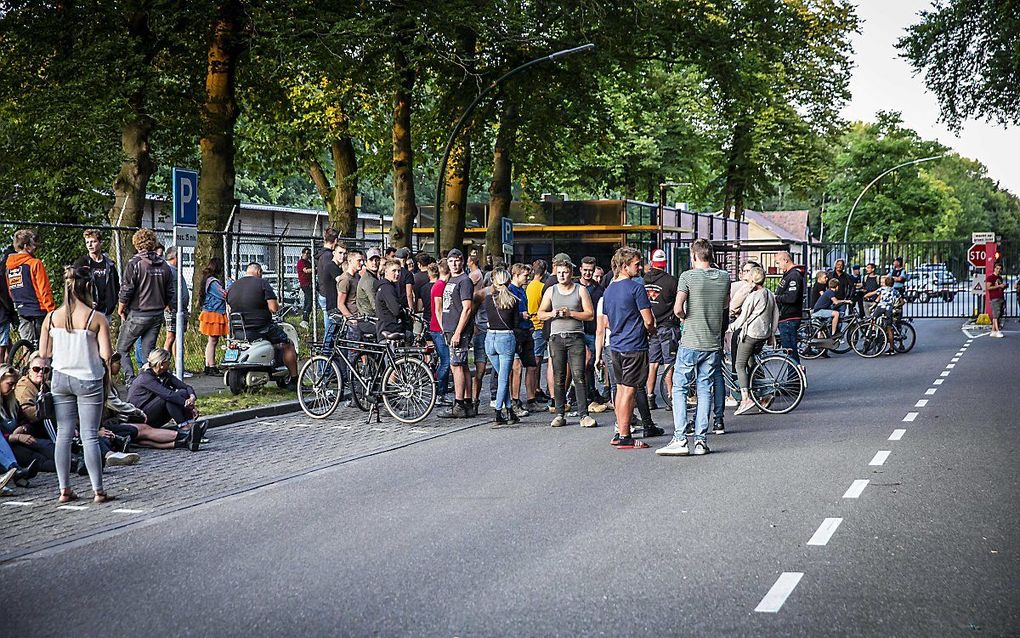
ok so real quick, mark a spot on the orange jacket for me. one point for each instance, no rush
(29, 286)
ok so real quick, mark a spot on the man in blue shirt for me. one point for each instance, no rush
(628, 314)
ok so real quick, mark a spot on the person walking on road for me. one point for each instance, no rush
(566, 306)
(76, 340)
(790, 297)
(996, 287)
(756, 323)
(627, 314)
(502, 309)
(702, 304)
(147, 290)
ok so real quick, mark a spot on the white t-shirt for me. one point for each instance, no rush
(598, 313)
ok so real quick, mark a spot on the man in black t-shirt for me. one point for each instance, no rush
(660, 286)
(253, 298)
(105, 278)
(790, 299)
(458, 327)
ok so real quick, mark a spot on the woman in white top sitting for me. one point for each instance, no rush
(76, 339)
(757, 323)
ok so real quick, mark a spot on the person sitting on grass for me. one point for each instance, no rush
(162, 397)
(127, 420)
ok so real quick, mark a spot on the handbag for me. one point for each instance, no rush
(46, 412)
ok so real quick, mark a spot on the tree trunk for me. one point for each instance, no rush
(404, 206)
(219, 113)
(339, 199)
(736, 172)
(500, 193)
(458, 176)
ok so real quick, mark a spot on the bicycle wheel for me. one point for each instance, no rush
(408, 390)
(904, 337)
(664, 390)
(869, 340)
(366, 370)
(777, 384)
(806, 336)
(18, 357)
(843, 341)
(319, 387)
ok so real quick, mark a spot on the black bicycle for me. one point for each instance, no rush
(20, 352)
(391, 373)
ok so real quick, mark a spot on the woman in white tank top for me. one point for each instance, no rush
(77, 341)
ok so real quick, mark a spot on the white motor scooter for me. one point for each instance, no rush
(249, 365)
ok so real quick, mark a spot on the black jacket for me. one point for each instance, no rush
(148, 285)
(790, 295)
(388, 308)
(105, 284)
(148, 391)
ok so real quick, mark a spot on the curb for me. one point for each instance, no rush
(273, 409)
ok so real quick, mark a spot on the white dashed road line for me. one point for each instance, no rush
(939, 381)
(910, 417)
(785, 584)
(19, 503)
(880, 457)
(856, 488)
(945, 373)
(825, 531)
(897, 434)
(127, 511)
(950, 366)
(930, 391)
(76, 508)
(921, 403)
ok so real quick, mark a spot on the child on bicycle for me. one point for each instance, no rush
(827, 304)
(886, 297)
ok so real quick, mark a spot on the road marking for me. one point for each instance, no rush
(950, 366)
(921, 403)
(939, 381)
(302, 425)
(781, 590)
(341, 427)
(825, 531)
(880, 457)
(897, 434)
(127, 511)
(954, 359)
(945, 373)
(76, 508)
(931, 391)
(379, 430)
(19, 503)
(910, 417)
(415, 431)
(856, 488)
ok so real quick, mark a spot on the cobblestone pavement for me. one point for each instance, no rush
(238, 458)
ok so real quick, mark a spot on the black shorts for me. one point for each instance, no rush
(459, 354)
(663, 344)
(632, 368)
(272, 333)
(526, 348)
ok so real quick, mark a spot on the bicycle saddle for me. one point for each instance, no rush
(392, 336)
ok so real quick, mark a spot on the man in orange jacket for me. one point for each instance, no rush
(28, 285)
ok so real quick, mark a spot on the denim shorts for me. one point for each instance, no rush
(541, 343)
(663, 344)
(5, 334)
(478, 345)
(821, 314)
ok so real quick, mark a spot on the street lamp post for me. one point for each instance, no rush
(464, 118)
(846, 229)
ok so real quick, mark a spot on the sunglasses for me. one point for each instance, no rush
(43, 369)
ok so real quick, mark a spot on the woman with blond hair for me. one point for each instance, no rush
(501, 306)
(76, 340)
(757, 323)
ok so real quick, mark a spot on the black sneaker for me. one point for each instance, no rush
(651, 402)
(652, 431)
(689, 430)
(615, 440)
(630, 443)
(212, 371)
(457, 411)
(718, 428)
(197, 433)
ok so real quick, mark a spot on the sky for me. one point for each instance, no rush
(884, 81)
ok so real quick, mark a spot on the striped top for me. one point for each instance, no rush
(708, 293)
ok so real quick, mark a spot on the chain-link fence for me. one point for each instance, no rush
(61, 245)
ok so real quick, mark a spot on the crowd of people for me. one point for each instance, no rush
(64, 412)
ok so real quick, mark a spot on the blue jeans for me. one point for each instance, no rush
(694, 366)
(327, 338)
(718, 394)
(443, 372)
(500, 346)
(7, 460)
(788, 337)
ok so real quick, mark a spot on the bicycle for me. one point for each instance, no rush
(389, 373)
(778, 384)
(20, 352)
(816, 332)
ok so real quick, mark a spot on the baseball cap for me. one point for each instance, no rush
(373, 253)
(455, 252)
(563, 257)
(403, 253)
(659, 258)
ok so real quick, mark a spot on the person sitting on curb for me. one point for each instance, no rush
(163, 397)
(127, 420)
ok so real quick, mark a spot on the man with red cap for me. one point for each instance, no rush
(661, 289)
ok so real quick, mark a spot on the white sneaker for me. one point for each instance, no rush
(997, 334)
(122, 458)
(588, 422)
(731, 402)
(676, 447)
(188, 375)
(492, 404)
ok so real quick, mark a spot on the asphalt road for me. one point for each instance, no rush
(540, 532)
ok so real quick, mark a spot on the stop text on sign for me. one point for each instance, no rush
(976, 255)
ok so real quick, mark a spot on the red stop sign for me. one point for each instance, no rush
(976, 255)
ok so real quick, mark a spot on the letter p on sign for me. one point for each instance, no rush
(185, 192)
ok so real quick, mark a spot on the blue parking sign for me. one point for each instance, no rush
(508, 230)
(185, 192)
